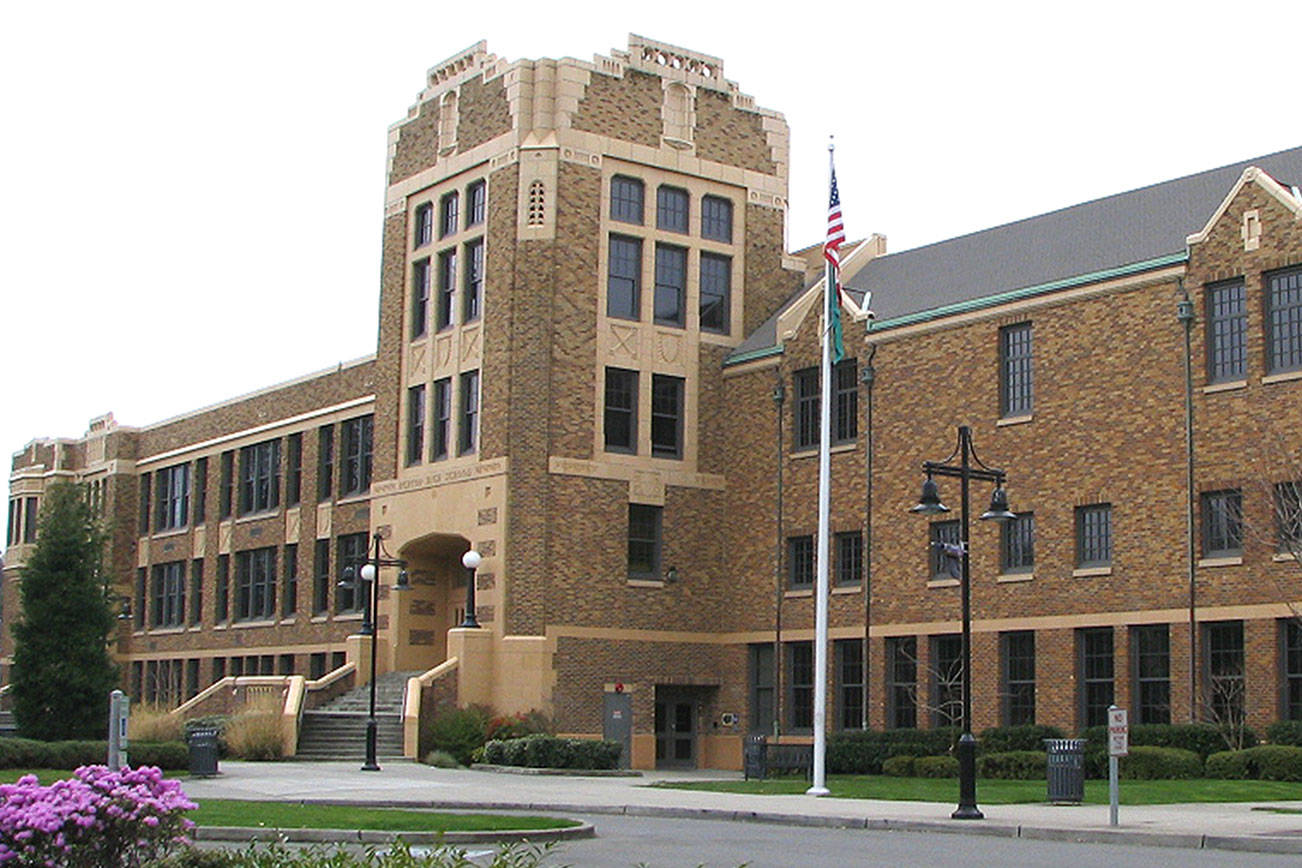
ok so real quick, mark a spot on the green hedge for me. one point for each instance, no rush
(25, 753)
(1267, 762)
(1149, 763)
(1002, 739)
(935, 767)
(1285, 732)
(1013, 765)
(862, 752)
(1202, 739)
(542, 751)
(898, 766)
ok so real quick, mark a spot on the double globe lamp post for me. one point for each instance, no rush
(968, 468)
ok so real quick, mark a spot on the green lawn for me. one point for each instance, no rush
(995, 792)
(294, 815)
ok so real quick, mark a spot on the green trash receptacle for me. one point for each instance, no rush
(1066, 769)
(202, 742)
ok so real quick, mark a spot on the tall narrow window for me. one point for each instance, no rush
(196, 592)
(716, 292)
(763, 709)
(167, 607)
(227, 483)
(447, 288)
(476, 203)
(849, 558)
(200, 491)
(321, 577)
(440, 436)
(1018, 688)
(420, 281)
(849, 683)
(671, 209)
(644, 529)
(624, 281)
(468, 429)
(620, 421)
(289, 595)
(260, 477)
(15, 520)
(221, 603)
(1288, 518)
(1292, 674)
(1284, 321)
(800, 561)
(947, 680)
(325, 462)
(448, 207)
(172, 501)
(1223, 698)
(901, 682)
(1017, 544)
(415, 424)
(423, 230)
(294, 469)
(626, 199)
(146, 480)
(352, 552)
(1227, 321)
(1150, 646)
(1222, 524)
(1015, 391)
(32, 514)
(666, 416)
(671, 285)
(474, 289)
(1096, 674)
(1094, 535)
(800, 705)
(355, 467)
(255, 584)
(716, 218)
(142, 597)
(806, 409)
(845, 401)
(942, 534)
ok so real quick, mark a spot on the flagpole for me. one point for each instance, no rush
(819, 787)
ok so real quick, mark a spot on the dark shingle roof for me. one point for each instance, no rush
(1141, 226)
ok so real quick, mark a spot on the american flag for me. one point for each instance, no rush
(835, 228)
(832, 253)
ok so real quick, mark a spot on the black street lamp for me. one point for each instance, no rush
(368, 572)
(471, 561)
(930, 504)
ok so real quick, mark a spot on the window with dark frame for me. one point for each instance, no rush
(806, 409)
(800, 686)
(289, 595)
(716, 218)
(670, 306)
(255, 584)
(32, 516)
(849, 558)
(167, 598)
(260, 477)
(448, 208)
(666, 416)
(420, 284)
(1284, 321)
(1226, 330)
(325, 457)
(423, 231)
(294, 469)
(947, 680)
(172, 500)
(1222, 523)
(1096, 669)
(1094, 535)
(447, 288)
(352, 549)
(146, 489)
(468, 429)
(800, 561)
(763, 708)
(644, 540)
(1288, 517)
(1017, 544)
(415, 424)
(620, 416)
(196, 592)
(474, 288)
(671, 209)
(1015, 386)
(942, 533)
(902, 682)
(1223, 697)
(626, 199)
(200, 491)
(1018, 670)
(624, 278)
(845, 401)
(141, 609)
(356, 458)
(1292, 666)
(439, 437)
(476, 203)
(849, 687)
(1151, 649)
(716, 292)
(221, 600)
(321, 577)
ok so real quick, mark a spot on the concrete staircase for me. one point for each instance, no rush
(338, 731)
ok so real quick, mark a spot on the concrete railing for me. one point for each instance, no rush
(423, 690)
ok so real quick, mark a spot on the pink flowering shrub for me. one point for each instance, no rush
(96, 819)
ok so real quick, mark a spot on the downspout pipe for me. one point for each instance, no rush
(868, 376)
(779, 397)
(1185, 314)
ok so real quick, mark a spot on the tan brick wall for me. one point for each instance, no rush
(729, 135)
(485, 113)
(627, 108)
(418, 142)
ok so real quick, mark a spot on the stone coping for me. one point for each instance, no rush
(248, 834)
(569, 773)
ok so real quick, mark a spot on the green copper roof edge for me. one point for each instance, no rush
(752, 355)
(1025, 292)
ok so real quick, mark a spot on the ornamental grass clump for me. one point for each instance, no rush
(96, 819)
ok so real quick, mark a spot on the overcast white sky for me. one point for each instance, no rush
(191, 193)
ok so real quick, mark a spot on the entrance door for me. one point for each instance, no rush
(617, 724)
(675, 729)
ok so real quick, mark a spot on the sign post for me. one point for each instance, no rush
(119, 714)
(1118, 746)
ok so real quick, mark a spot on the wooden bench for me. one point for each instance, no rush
(764, 760)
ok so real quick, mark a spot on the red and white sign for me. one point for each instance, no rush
(1118, 732)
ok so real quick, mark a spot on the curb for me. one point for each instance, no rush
(1189, 841)
(566, 773)
(246, 834)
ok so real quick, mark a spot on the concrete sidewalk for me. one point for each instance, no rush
(1235, 826)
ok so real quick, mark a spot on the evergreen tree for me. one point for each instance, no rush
(62, 673)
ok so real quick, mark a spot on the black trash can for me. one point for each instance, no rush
(755, 757)
(202, 742)
(1066, 769)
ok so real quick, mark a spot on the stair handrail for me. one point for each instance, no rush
(291, 716)
(329, 679)
(411, 703)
